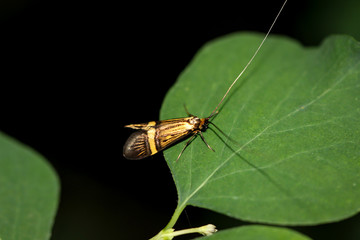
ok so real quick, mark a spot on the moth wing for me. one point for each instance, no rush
(167, 140)
(137, 146)
(137, 126)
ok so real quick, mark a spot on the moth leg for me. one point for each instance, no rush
(202, 137)
(187, 144)
(189, 114)
(231, 139)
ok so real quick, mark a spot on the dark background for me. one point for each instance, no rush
(73, 73)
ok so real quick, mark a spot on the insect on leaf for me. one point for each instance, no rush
(295, 115)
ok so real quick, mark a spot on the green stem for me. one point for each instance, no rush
(175, 216)
(170, 233)
(173, 220)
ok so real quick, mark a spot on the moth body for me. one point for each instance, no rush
(155, 136)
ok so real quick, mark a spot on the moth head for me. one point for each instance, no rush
(204, 124)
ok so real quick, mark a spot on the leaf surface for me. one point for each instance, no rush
(29, 192)
(295, 117)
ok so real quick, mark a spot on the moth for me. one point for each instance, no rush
(155, 136)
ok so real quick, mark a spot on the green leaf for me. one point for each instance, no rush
(255, 232)
(295, 115)
(29, 192)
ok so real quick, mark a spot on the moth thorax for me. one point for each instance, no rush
(194, 121)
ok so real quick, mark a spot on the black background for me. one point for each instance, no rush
(73, 73)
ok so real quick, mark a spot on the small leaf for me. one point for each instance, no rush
(29, 192)
(295, 114)
(255, 232)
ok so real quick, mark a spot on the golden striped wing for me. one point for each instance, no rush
(171, 131)
(138, 126)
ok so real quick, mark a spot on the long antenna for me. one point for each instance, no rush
(257, 50)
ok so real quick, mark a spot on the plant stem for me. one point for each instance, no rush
(175, 216)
